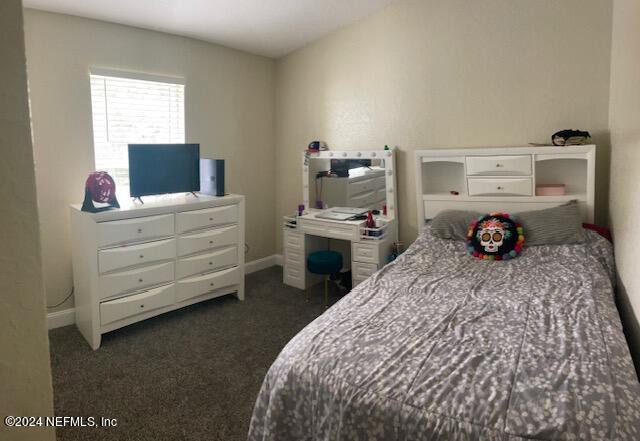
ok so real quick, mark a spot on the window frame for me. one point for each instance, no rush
(131, 75)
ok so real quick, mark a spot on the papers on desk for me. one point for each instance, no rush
(340, 213)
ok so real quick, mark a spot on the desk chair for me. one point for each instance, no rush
(325, 263)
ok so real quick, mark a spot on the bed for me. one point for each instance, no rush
(439, 346)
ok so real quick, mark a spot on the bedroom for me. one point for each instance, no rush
(260, 82)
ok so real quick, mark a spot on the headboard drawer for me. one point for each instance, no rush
(508, 165)
(500, 187)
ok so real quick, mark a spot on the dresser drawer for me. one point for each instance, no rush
(210, 217)
(202, 263)
(199, 285)
(357, 187)
(362, 200)
(196, 242)
(134, 230)
(506, 187)
(515, 165)
(363, 252)
(130, 306)
(130, 255)
(363, 270)
(139, 278)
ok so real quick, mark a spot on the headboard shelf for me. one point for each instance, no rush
(503, 179)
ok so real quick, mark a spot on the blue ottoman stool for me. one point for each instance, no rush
(325, 263)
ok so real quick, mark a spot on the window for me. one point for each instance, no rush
(129, 111)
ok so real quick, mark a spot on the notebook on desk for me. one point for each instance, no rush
(340, 213)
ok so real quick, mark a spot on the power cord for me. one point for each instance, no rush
(65, 299)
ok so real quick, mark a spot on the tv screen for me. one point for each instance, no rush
(163, 168)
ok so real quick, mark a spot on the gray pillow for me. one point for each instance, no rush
(453, 224)
(552, 226)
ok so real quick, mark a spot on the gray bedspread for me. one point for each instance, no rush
(440, 346)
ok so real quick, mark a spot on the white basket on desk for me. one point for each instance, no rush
(378, 232)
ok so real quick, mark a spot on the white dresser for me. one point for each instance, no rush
(146, 259)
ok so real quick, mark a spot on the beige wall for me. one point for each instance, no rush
(229, 111)
(625, 162)
(430, 73)
(25, 376)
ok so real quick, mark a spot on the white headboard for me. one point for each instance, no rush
(503, 179)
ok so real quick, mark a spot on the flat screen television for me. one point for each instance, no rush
(163, 168)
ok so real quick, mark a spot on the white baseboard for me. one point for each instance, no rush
(260, 264)
(67, 317)
(62, 318)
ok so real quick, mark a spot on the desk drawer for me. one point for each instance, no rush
(363, 270)
(514, 165)
(204, 263)
(210, 217)
(357, 281)
(196, 242)
(199, 285)
(134, 230)
(125, 307)
(293, 256)
(332, 230)
(294, 275)
(293, 240)
(364, 252)
(498, 186)
(130, 255)
(132, 280)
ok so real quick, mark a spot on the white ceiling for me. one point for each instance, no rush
(266, 27)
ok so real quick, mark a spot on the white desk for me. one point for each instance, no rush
(311, 234)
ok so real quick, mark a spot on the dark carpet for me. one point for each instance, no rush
(191, 374)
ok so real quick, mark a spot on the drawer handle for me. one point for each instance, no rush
(212, 284)
(139, 230)
(210, 218)
(142, 256)
(210, 263)
(140, 280)
(142, 306)
(210, 241)
(500, 188)
(499, 165)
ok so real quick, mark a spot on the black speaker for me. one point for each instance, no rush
(212, 176)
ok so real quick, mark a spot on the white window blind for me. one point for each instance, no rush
(132, 111)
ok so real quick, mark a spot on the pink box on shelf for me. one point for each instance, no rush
(550, 190)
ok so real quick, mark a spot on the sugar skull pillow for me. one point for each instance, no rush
(495, 236)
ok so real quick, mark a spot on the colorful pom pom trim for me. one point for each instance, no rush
(507, 256)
